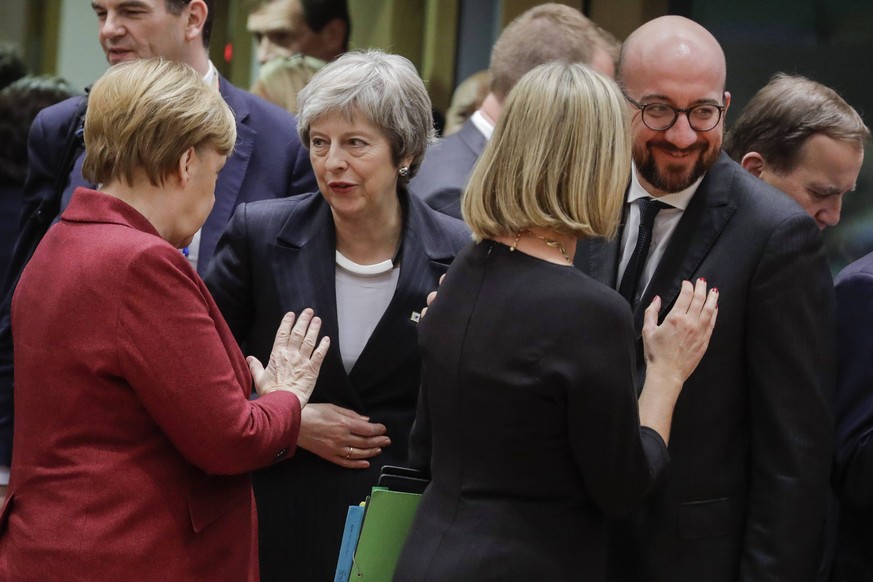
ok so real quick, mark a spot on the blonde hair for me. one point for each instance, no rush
(143, 115)
(559, 158)
(280, 80)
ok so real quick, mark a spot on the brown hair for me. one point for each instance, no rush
(785, 113)
(545, 33)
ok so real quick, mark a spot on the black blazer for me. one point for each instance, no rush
(528, 395)
(278, 256)
(854, 422)
(750, 448)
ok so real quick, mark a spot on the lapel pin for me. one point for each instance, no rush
(415, 317)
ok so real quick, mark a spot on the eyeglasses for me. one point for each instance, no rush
(661, 117)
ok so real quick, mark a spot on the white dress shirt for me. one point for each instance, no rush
(665, 225)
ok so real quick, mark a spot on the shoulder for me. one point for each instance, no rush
(244, 102)
(297, 215)
(440, 233)
(449, 161)
(860, 269)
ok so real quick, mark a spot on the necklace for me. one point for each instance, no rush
(550, 242)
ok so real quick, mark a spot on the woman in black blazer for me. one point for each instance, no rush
(363, 254)
(528, 420)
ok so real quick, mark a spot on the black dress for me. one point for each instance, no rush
(527, 421)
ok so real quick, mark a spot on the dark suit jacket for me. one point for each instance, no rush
(443, 175)
(854, 422)
(268, 162)
(750, 448)
(279, 256)
(134, 431)
(528, 393)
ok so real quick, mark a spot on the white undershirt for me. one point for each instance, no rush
(363, 293)
(665, 224)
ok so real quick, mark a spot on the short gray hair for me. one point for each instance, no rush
(384, 89)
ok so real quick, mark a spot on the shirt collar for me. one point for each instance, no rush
(482, 124)
(211, 76)
(678, 200)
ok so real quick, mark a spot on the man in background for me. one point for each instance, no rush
(545, 33)
(803, 138)
(315, 28)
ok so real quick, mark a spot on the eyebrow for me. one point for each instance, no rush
(652, 97)
(824, 190)
(127, 4)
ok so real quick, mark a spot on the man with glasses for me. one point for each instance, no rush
(750, 449)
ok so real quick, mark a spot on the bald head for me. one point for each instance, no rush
(673, 72)
(675, 46)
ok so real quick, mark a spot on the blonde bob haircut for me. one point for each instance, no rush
(144, 115)
(559, 158)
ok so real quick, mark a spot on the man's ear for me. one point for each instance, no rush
(332, 36)
(753, 163)
(196, 13)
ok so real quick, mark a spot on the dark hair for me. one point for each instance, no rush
(785, 113)
(12, 67)
(19, 104)
(317, 13)
(176, 6)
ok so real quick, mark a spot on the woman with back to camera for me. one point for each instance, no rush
(528, 422)
(134, 434)
(364, 254)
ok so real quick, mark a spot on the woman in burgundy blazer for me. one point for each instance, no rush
(134, 433)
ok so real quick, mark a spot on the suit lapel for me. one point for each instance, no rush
(396, 336)
(707, 214)
(304, 268)
(230, 180)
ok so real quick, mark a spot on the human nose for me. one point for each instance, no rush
(335, 158)
(830, 211)
(680, 134)
(111, 27)
(265, 50)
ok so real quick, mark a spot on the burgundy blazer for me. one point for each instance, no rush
(134, 433)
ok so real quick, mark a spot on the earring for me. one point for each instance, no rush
(403, 171)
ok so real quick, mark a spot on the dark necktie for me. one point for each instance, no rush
(649, 209)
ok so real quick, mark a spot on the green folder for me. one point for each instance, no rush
(386, 523)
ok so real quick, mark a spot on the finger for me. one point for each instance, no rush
(683, 302)
(350, 453)
(442, 277)
(376, 442)
(698, 297)
(432, 295)
(650, 316)
(255, 367)
(298, 332)
(367, 429)
(710, 309)
(423, 313)
(311, 337)
(284, 331)
(319, 354)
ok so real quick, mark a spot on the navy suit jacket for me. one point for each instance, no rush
(279, 256)
(268, 162)
(446, 168)
(750, 448)
(853, 480)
